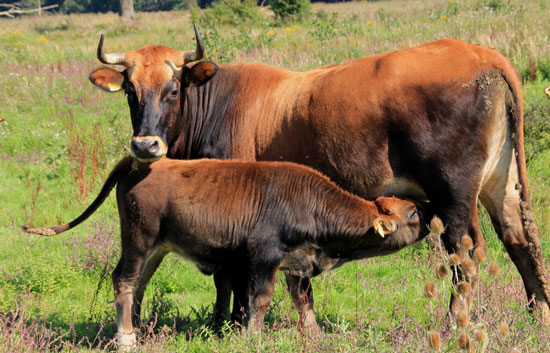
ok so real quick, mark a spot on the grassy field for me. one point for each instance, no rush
(59, 136)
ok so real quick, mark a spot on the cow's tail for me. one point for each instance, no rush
(515, 111)
(531, 231)
(123, 167)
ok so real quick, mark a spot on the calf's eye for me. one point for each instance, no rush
(413, 216)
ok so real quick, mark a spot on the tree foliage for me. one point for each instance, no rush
(290, 8)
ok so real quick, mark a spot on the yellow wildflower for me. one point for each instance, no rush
(442, 17)
(240, 41)
(287, 29)
(295, 27)
(16, 34)
(41, 39)
(369, 22)
(18, 44)
(270, 32)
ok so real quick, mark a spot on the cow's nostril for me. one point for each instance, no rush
(154, 147)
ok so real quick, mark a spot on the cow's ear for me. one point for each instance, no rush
(200, 73)
(107, 79)
(384, 226)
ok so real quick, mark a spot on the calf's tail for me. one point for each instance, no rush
(123, 167)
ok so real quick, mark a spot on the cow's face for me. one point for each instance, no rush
(152, 82)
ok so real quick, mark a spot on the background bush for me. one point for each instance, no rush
(285, 9)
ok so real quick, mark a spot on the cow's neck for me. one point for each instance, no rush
(205, 113)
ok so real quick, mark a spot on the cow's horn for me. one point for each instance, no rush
(112, 59)
(198, 53)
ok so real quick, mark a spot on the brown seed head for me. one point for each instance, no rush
(429, 290)
(454, 259)
(464, 341)
(436, 225)
(462, 319)
(434, 340)
(494, 270)
(480, 335)
(442, 271)
(463, 288)
(467, 242)
(479, 254)
(469, 267)
(503, 328)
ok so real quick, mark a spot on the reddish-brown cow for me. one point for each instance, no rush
(446, 115)
(216, 213)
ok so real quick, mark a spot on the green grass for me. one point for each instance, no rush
(54, 116)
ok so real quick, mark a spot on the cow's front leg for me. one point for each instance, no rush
(302, 296)
(464, 304)
(125, 278)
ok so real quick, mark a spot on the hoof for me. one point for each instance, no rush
(126, 341)
(309, 323)
(543, 311)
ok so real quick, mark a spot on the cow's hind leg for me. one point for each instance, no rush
(302, 297)
(515, 225)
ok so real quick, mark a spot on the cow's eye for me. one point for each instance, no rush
(413, 216)
(174, 93)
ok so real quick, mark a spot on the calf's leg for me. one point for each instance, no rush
(222, 281)
(232, 278)
(263, 274)
(240, 286)
(125, 278)
(150, 265)
(301, 292)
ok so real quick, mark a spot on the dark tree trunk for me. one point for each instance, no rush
(127, 10)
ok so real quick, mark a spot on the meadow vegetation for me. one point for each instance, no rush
(59, 136)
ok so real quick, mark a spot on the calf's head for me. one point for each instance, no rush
(399, 223)
(153, 80)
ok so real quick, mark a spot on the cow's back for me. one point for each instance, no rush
(367, 121)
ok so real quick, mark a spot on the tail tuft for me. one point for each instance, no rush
(45, 231)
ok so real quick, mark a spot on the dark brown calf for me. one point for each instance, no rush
(223, 212)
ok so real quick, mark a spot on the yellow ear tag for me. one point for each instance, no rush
(380, 229)
(114, 87)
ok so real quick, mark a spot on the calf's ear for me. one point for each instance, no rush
(384, 226)
(107, 79)
(200, 73)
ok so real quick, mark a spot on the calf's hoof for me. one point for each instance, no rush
(126, 341)
(309, 323)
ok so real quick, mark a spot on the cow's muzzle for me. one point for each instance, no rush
(148, 148)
